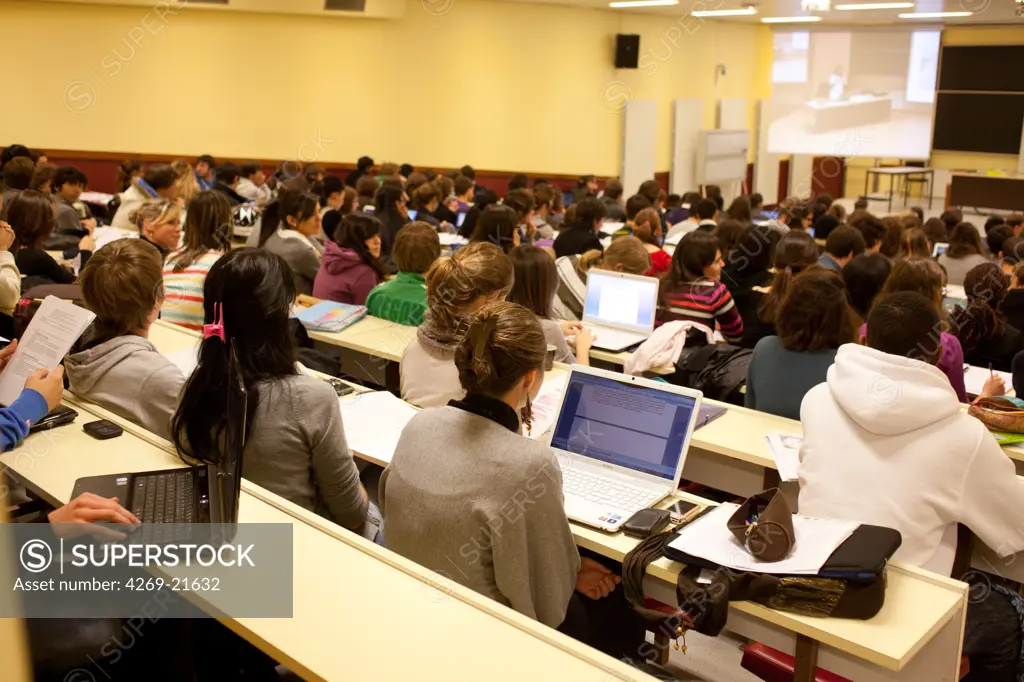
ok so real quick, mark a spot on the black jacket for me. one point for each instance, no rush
(576, 240)
(998, 352)
(233, 197)
(741, 287)
(1013, 308)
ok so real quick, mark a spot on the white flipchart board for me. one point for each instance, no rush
(722, 156)
(639, 122)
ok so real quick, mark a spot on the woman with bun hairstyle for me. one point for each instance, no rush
(457, 466)
(457, 286)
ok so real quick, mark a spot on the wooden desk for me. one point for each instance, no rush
(979, 190)
(454, 633)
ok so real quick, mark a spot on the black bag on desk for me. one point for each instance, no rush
(851, 584)
(718, 370)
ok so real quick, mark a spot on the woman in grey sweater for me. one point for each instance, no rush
(295, 442)
(467, 496)
(290, 228)
(963, 254)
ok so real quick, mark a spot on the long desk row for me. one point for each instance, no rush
(914, 637)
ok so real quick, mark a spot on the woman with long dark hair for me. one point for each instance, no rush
(964, 252)
(981, 327)
(351, 265)
(748, 276)
(247, 301)
(693, 291)
(290, 227)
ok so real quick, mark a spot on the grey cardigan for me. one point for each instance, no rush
(481, 505)
(301, 255)
(297, 449)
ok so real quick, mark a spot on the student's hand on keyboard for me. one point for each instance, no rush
(88, 509)
(570, 328)
(594, 580)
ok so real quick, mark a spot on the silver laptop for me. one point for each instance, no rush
(621, 442)
(619, 308)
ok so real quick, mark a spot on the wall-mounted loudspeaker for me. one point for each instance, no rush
(627, 51)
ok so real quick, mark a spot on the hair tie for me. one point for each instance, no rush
(217, 328)
(483, 335)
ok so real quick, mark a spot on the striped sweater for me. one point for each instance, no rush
(705, 301)
(183, 291)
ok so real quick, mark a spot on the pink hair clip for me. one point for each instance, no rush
(217, 328)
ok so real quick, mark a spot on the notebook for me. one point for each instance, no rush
(328, 316)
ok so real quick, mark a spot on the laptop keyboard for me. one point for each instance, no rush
(606, 337)
(165, 498)
(603, 491)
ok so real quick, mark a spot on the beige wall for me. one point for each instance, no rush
(495, 84)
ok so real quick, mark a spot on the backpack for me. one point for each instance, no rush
(32, 298)
(717, 370)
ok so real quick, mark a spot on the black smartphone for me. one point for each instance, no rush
(58, 416)
(340, 387)
(679, 509)
(101, 429)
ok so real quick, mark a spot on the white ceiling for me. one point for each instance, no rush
(1003, 12)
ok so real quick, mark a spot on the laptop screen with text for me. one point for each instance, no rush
(643, 429)
(621, 301)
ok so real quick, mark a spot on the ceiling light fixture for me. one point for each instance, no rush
(725, 12)
(789, 20)
(934, 15)
(644, 3)
(874, 6)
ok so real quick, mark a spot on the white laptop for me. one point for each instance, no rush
(621, 442)
(619, 308)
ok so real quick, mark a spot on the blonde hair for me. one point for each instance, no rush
(186, 182)
(503, 342)
(155, 211)
(629, 252)
(453, 282)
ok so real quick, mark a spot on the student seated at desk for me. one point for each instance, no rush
(73, 219)
(864, 277)
(159, 223)
(795, 252)
(31, 216)
(647, 228)
(748, 276)
(456, 286)
(208, 230)
(693, 292)
(113, 364)
(964, 252)
(1013, 303)
(843, 245)
(499, 225)
(289, 228)
(351, 265)
(42, 393)
(915, 244)
(404, 299)
(522, 202)
(390, 207)
(580, 234)
(295, 440)
(457, 466)
(813, 321)
(536, 280)
(160, 181)
(981, 327)
(911, 459)
(10, 276)
(626, 254)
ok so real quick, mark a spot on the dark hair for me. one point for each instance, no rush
(416, 248)
(952, 217)
(815, 314)
(996, 236)
(468, 171)
(673, 201)
(290, 201)
(992, 221)
(463, 184)
(68, 175)
(228, 173)
(756, 200)
(208, 227)
(249, 169)
(18, 173)
(13, 151)
(739, 210)
(121, 284)
(352, 234)
(160, 176)
(518, 181)
(860, 205)
(985, 285)
(497, 225)
(920, 274)
(892, 238)
(915, 243)
(964, 241)
(651, 190)
(696, 251)
(825, 198)
(795, 214)
(364, 163)
(543, 195)
(936, 231)
(753, 253)
(31, 216)
(818, 210)
(207, 159)
(331, 184)
(845, 241)
(43, 174)
(588, 212)
(870, 227)
(330, 221)
(727, 232)
(1012, 250)
(125, 170)
(405, 170)
(254, 289)
(415, 180)
(635, 204)
(905, 324)
(521, 201)
(1015, 220)
(691, 198)
(795, 252)
(647, 226)
(613, 189)
(864, 277)
(366, 189)
(482, 199)
(706, 209)
(310, 171)
(536, 279)
(503, 342)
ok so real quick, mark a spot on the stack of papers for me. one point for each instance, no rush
(709, 538)
(545, 407)
(785, 449)
(54, 328)
(374, 422)
(328, 316)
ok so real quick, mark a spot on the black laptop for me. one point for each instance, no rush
(202, 494)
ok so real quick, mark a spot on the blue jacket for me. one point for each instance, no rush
(15, 420)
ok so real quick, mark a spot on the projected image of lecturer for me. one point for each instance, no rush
(864, 93)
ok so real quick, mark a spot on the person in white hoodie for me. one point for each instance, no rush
(885, 443)
(114, 364)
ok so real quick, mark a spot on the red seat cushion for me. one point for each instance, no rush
(771, 665)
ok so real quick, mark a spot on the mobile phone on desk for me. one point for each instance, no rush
(340, 387)
(58, 416)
